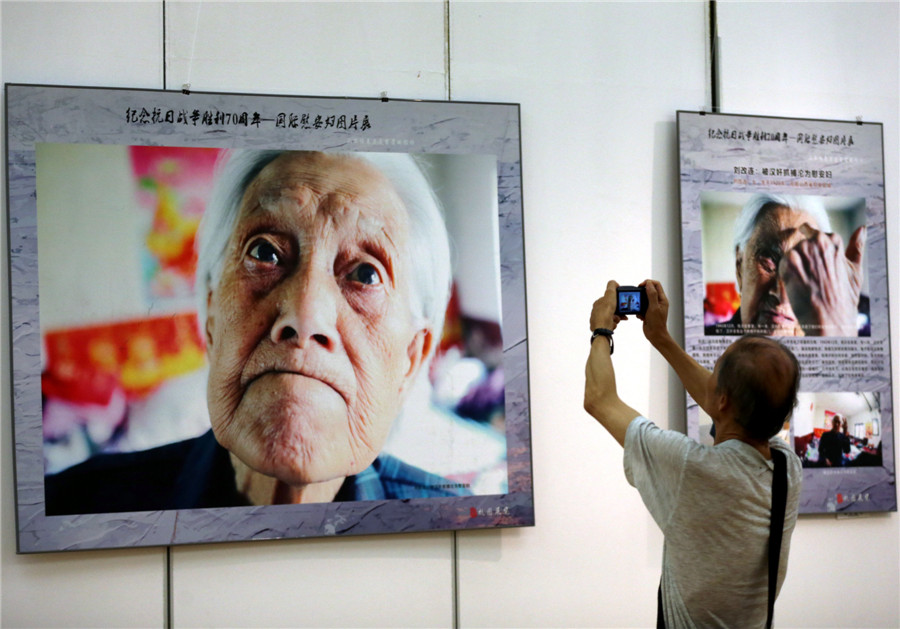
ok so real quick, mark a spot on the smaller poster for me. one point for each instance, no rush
(783, 234)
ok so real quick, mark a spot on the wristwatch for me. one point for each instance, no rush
(604, 332)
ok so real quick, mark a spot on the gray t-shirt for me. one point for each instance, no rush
(713, 505)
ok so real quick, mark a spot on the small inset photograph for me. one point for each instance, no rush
(769, 258)
(840, 429)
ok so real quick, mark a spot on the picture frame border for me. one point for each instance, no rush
(707, 163)
(57, 113)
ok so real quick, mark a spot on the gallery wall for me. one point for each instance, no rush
(599, 84)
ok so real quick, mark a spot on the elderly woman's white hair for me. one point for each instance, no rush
(752, 212)
(429, 243)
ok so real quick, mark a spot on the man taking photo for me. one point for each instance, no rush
(714, 504)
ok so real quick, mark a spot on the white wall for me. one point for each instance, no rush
(829, 61)
(599, 84)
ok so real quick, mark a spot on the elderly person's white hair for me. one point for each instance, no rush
(753, 211)
(429, 243)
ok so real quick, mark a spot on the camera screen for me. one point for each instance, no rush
(630, 302)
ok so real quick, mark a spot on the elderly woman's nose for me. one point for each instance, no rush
(307, 310)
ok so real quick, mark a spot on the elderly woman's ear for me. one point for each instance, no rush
(417, 354)
(208, 324)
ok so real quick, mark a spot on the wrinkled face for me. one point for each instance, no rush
(310, 338)
(764, 303)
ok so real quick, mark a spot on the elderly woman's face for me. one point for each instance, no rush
(764, 301)
(310, 337)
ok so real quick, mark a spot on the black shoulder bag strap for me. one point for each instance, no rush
(776, 530)
(779, 504)
(660, 619)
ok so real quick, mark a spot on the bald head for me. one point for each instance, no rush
(760, 377)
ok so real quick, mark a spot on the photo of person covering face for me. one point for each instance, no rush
(784, 265)
(322, 288)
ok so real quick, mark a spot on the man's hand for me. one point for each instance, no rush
(655, 328)
(824, 282)
(603, 314)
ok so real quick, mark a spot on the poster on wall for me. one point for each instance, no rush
(783, 234)
(239, 317)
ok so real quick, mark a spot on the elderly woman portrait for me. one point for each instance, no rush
(322, 282)
(793, 272)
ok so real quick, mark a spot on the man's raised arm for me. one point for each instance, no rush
(692, 374)
(600, 397)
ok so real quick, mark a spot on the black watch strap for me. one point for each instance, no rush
(604, 332)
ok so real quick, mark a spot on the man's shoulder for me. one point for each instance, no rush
(648, 446)
(651, 434)
(676, 452)
(794, 465)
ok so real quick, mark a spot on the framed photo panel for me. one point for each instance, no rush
(239, 317)
(783, 234)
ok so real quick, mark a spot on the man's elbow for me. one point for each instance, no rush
(596, 406)
(590, 406)
(611, 413)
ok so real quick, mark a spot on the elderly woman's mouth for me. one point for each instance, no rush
(293, 378)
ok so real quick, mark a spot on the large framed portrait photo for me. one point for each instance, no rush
(240, 317)
(783, 235)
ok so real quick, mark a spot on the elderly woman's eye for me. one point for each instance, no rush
(365, 273)
(264, 251)
(768, 264)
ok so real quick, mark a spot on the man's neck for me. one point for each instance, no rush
(727, 430)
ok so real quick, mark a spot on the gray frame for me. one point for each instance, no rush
(60, 114)
(727, 153)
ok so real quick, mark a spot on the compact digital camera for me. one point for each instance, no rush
(631, 300)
